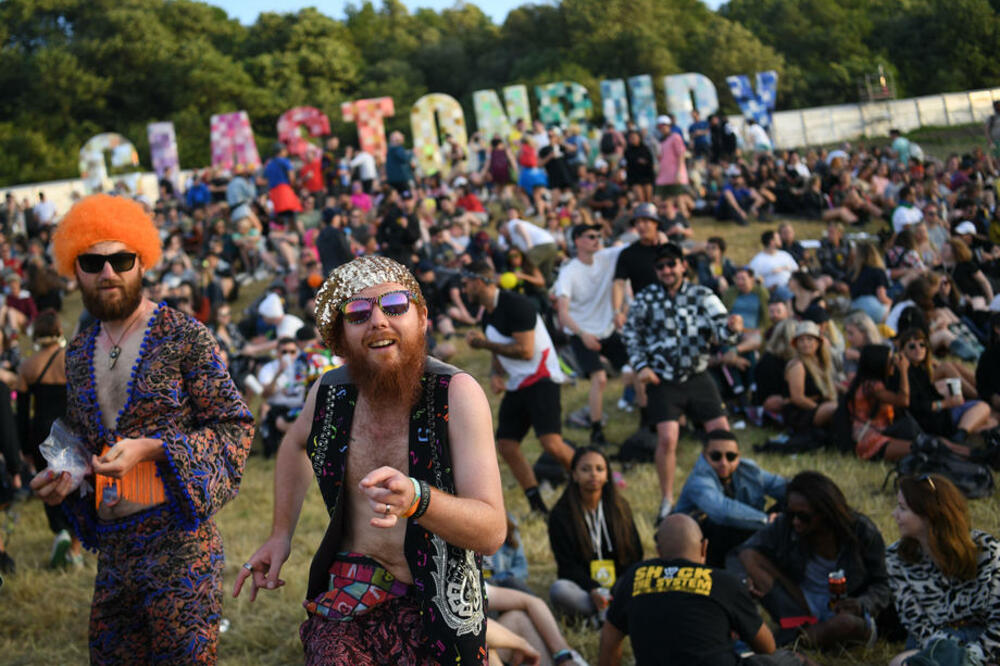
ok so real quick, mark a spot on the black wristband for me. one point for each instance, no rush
(425, 500)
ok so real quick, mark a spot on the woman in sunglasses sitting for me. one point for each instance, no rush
(819, 569)
(939, 405)
(593, 537)
(727, 495)
(945, 577)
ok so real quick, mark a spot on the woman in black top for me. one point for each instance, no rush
(639, 166)
(593, 536)
(869, 283)
(931, 403)
(42, 400)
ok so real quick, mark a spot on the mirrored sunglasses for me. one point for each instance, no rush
(392, 303)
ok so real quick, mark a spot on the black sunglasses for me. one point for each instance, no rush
(916, 344)
(801, 516)
(666, 263)
(94, 263)
(716, 456)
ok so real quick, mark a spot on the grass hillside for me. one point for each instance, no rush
(43, 614)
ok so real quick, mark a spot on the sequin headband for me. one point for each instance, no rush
(348, 279)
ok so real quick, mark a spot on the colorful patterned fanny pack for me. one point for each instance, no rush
(357, 584)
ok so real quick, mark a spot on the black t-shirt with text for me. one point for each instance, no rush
(680, 612)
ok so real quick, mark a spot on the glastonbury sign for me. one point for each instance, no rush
(437, 114)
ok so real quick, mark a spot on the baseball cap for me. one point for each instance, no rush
(664, 120)
(965, 227)
(672, 250)
(645, 211)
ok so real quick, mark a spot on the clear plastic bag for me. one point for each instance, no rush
(65, 452)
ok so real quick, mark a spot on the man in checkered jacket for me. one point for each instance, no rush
(671, 326)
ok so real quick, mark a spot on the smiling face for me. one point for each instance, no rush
(386, 354)
(915, 350)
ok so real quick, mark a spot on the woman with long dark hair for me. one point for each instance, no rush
(593, 536)
(792, 562)
(945, 576)
(937, 409)
(40, 401)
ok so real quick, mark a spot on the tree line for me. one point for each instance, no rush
(70, 69)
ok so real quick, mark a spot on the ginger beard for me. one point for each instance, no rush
(385, 382)
(112, 305)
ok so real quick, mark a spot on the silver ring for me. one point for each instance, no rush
(248, 566)
(387, 509)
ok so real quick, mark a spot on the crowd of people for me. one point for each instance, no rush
(568, 256)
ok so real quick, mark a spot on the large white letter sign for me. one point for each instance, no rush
(424, 117)
(492, 119)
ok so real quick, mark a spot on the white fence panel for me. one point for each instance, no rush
(787, 130)
(958, 109)
(818, 126)
(932, 110)
(905, 115)
(847, 120)
(981, 102)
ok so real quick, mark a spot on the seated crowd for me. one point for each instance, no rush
(568, 257)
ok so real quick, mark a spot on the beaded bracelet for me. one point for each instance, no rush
(425, 500)
(416, 499)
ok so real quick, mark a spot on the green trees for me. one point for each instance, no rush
(70, 69)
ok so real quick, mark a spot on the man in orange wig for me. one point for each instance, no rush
(152, 402)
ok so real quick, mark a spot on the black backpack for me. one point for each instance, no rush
(607, 143)
(973, 479)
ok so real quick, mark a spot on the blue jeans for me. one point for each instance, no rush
(871, 306)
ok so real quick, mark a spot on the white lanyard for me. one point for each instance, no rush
(598, 529)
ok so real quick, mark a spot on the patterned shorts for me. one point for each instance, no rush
(366, 618)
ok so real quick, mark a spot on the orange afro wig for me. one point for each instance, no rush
(101, 217)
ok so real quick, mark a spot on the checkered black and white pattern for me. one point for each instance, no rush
(673, 335)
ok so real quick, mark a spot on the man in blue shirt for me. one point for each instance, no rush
(700, 135)
(398, 163)
(726, 495)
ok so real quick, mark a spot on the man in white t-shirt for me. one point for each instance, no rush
(525, 368)
(757, 137)
(907, 212)
(45, 211)
(583, 291)
(536, 243)
(772, 265)
(364, 162)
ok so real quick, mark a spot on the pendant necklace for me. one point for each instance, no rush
(116, 349)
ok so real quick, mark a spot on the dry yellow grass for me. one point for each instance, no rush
(43, 614)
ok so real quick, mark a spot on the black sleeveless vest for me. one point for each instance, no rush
(448, 579)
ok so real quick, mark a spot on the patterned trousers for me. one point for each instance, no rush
(158, 594)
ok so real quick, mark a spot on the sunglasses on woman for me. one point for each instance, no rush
(916, 344)
(121, 262)
(716, 456)
(804, 517)
(392, 304)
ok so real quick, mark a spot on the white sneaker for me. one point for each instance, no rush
(60, 548)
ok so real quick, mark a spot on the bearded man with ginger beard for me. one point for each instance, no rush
(401, 446)
(153, 403)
